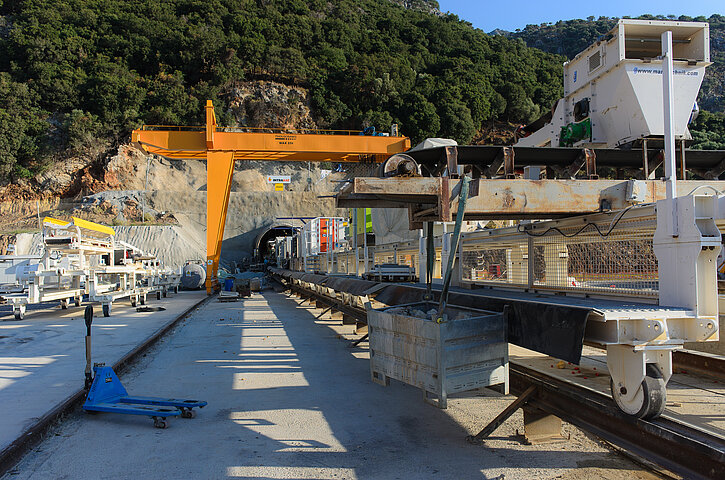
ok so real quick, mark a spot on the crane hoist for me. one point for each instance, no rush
(221, 148)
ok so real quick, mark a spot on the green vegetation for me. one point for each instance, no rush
(76, 74)
(708, 131)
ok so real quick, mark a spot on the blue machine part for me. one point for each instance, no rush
(107, 394)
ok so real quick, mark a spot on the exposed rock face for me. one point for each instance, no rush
(138, 188)
(270, 105)
(128, 187)
(427, 6)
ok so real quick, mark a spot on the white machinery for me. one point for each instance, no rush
(82, 257)
(9, 265)
(127, 272)
(648, 292)
(613, 89)
(283, 250)
(321, 235)
(60, 273)
(391, 272)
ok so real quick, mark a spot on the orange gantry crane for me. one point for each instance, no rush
(221, 148)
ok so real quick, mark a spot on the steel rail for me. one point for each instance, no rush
(678, 447)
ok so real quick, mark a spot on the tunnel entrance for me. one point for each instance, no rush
(263, 249)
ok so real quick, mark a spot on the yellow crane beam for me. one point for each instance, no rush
(221, 148)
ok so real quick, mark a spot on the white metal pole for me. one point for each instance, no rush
(669, 110)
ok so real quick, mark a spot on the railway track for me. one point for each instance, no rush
(674, 445)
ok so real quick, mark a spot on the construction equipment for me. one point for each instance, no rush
(390, 272)
(221, 148)
(626, 263)
(107, 394)
(125, 272)
(69, 250)
(82, 257)
(613, 90)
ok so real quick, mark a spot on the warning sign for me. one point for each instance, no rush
(279, 187)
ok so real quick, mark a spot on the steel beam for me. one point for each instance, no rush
(433, 198)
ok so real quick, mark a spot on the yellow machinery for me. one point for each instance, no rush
(221, 148)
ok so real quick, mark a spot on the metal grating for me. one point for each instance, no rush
(620, 263)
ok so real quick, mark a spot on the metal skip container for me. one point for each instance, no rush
(467, 350)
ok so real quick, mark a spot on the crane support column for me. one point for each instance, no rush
(219, 171)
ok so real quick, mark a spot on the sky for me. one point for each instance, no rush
(510, 15)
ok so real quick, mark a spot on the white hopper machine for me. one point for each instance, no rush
(613, 89)
(622, 92)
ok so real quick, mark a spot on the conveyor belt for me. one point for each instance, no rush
(679, 447)
(549, 324)
(484, 156)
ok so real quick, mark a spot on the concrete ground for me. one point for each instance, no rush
(288, 399)
(42, 358)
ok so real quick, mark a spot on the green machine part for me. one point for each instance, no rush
(575, 131)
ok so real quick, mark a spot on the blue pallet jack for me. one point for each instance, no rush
(106, 393)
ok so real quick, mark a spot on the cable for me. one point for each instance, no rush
(612, 225)
(717, 192)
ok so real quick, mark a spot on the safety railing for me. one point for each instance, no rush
(604, 254)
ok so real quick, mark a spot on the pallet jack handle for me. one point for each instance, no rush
(88, 315)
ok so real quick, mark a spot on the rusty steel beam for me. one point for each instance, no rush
(433, 198)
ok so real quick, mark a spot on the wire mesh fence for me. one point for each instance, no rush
(618, 260)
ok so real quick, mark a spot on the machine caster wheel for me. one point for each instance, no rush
(106, 310)
(649, 402)
(160, 422)
(158, 295)
(187, 413)
(77, 302)
(19, 314)
(64, 304)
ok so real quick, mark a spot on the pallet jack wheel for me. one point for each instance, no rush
(19, 315)
(650, 402)
(160, 422)
(106, 310)
(187, 413)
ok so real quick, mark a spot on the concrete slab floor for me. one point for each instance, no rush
(42, 358)
(288, 399)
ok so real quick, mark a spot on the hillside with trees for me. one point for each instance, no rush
(77, 76)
